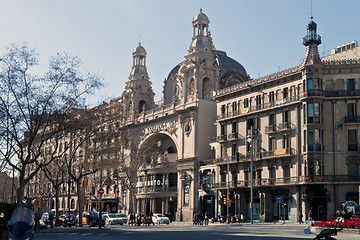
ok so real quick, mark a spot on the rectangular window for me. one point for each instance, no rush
(286, 118)
(310, 113)
(258, 102)
(272, 173)
(310, 85)
(352, 140)
(271, 144)
(223, 109)
(351, 84)
(223, 130)
(285, 93)
(234, 129)
(317, 112)
(271, 96)
(234, 106)
(271, 120)
(246, 103)
(286, 141)
(351, 112)
(234, 150)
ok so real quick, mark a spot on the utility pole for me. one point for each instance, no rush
(251, 177)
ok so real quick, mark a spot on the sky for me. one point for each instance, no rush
(265, 36)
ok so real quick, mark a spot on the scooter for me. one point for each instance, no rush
(21, 224)
(327, 234)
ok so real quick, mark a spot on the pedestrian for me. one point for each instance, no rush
(310, 216)
(51, 220)
(150, 219)
(206, 218)
(194, 218)
(37, 219)
(300, 217)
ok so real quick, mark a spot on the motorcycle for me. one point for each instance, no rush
(21, 224)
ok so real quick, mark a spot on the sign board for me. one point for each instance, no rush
(101, 191)
(279, 199)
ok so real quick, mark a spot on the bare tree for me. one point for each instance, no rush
(34, 109)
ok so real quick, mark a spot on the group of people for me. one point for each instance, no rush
(309, 219)
(199, 219)
(138, 219)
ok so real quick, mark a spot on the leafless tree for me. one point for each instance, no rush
(34, 109)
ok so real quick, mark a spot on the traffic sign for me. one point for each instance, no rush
(279, 199)
(101, 191)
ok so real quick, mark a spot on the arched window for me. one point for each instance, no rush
(191, 89)
(142, 106)
(206, 89)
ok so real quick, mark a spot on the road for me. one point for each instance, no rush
(179, 231)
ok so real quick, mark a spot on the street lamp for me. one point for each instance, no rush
(251, 176)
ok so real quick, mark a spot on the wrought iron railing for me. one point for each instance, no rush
(287, 181)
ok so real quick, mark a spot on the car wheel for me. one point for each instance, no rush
(158, 222)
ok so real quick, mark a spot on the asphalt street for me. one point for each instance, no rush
(179, 231)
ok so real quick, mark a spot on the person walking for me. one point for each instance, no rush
(206, 218)
(300, 217)
(51, 220)
(310, 216)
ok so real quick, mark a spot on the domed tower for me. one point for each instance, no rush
(205, 69)
(311, 41)
(138, 95)
(201, 40)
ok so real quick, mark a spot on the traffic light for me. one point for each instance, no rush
(225, 201)
(84, 183)
(38, 202)
(102, 204)
(86, 200)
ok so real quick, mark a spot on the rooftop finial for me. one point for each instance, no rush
(201, 10)
(311, 13)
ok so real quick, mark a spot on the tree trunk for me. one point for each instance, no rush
(57, 200)
(20, 191)
(80, 201)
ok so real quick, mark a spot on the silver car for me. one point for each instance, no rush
(113, 218)
(160, 219)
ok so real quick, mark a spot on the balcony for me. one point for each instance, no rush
(352, 119)
(342, 93)
(278, 153)
(265, 106)
(285, 126)
(353, 147)
(285, 181)
(313, 93)
(313, 148)
(270, 129)
(221, 138)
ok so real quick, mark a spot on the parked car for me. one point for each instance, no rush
(160, 219)
(113, 218)
(91, 219)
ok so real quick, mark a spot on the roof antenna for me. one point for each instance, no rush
(139, 40)
(311, 13)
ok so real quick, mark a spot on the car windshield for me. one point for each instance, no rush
(122, 215)
(113, 215)
(160, 215)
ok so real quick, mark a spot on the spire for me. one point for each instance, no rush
(139, 71)
(311, 41)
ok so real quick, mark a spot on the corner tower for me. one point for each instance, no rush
(311, 41)
(138, 95)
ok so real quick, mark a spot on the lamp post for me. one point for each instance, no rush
(100, 198)
(146, 181)
(227, 187)
(251, 177)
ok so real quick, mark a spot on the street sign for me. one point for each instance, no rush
(279, 199)
(101, 191)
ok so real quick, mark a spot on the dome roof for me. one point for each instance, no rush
(229, 66)
(226, 64)
(139, 50)
(201, 18)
